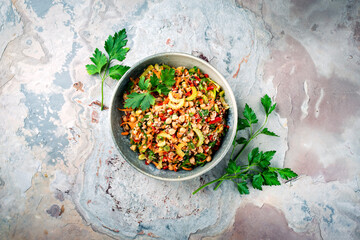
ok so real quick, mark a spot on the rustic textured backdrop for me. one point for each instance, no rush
(62, 178)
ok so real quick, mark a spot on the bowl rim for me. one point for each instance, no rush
(235, 115)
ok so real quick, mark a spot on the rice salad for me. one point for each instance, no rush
(175, 117)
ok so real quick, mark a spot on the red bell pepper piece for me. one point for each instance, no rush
(210, 88)
(217, 119)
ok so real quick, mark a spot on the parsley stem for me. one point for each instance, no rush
(209, 183)
(217, 186)
(257, 133)
(234, 145)
(102, 94)
(242, 149)
(104, 76)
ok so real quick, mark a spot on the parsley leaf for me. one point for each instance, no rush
(267, 155)
(250, 115)
(168, 77)
(241, 140)
(243, 188)
(99, 59)
(162, 89)
(114, 46)
(242, 124)
(267, 104)
(144, 84)
(264, 164)
(257, 181)
(286, 173)
(147, 101)
(270, 178)
(143, 100)
(269, 133)
(117, 71)
(254, 156)
(154, 80)
(232, 168)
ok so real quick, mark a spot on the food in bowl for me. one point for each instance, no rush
(175, 117)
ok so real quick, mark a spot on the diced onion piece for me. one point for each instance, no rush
(161, 143)
(177, 106)
(179, 151)
(147, 70)
(172, 99)
(200, 135)
(193, 94)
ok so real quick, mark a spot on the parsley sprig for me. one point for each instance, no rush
(257, 170)
(154, 84)
(115, 47)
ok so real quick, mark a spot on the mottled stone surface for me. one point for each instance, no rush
(61, 176)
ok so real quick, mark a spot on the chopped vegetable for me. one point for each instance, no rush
(224, 103)
(193, 94)
(217, 86)
(166, 148)
(200, 135)
(177, 106)
(172, 99)
(164, 135)
(179, 151)
(216, 108)
(147, 70)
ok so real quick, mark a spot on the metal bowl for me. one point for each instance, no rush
(123, 142)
